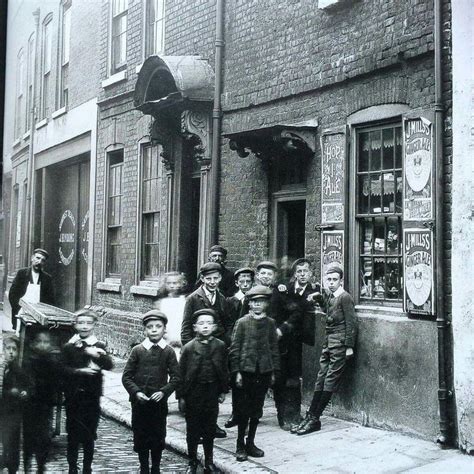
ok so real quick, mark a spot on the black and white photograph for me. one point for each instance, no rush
(237, 236)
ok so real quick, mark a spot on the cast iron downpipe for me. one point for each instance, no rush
(444, 393)
(31, 156)
(216, 124)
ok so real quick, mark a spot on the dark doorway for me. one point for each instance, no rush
(193, 248)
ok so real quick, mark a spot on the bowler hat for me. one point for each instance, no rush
(42, 252)
(154, 314)
(218, 248)
(258, 291)
(210, 267)
(267, 264)
(243, 270)
(206, 311)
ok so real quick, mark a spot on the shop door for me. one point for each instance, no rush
(66, 217)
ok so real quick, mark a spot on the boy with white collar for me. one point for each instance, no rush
(83, 358)
(150, 376)
(337, 348)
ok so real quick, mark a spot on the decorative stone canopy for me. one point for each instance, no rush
(278, 140)
(164, 81)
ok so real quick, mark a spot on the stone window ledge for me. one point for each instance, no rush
(16, 142)
(330, 4)
(114, 79)
(112, 285)
(41, 123)
(59, 112)
(26, 135)
(145, 288)
(380, 312)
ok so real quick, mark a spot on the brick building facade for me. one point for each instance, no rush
(330, 115)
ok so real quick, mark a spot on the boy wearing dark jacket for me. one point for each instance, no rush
(150, 377)
(204, 374)
(83, 358)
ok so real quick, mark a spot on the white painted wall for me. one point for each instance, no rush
(463, 217)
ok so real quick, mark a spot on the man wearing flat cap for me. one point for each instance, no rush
(218, 254)
(32, 284)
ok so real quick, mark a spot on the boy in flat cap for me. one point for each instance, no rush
(204, 374)
(83, 359)
(150, 377)
(243, 281)
(337, 347)
(32, 284)
(255, 362)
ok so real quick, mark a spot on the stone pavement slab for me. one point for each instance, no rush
(340, 447)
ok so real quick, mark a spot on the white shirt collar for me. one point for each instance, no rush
(90, 340)
(239, 295)
(338, 292)
(297, 285)
(147, 344)
(210, 296)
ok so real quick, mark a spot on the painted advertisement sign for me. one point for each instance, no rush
(332, 251)
(418, 160)
(332, 192)
(67, 237)
(418, 262)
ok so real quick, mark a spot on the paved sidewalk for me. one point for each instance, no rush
(341, 447)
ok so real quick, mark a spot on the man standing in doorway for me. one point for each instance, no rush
(218, 254)
(32, 284)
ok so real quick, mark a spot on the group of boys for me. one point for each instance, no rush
(250, 341)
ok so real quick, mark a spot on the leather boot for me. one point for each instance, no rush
(309, 426)
(241, 454)
(252, 450)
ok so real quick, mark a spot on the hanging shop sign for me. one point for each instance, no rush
(418, 164)
(332, 192)
(332, 251)
(418, 259)
(67, 237)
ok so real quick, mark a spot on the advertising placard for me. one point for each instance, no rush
(332, 190)
(418, 162)
(418, 262)
(332, 251)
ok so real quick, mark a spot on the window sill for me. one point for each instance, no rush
(112, 285)
(380, 311)
(114, 79)
(145, 288)
(16, 142)
(26, 135)
(329, 4)
(59, 112)
(41, 124)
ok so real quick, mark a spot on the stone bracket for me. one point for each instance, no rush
(195, 126)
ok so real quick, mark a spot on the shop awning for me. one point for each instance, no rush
(167, 80)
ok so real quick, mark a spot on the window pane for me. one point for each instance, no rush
(398, 194)
(388, 192)
(366, 278)
(47, 47)
(114, 248)
(393, 235)
(394, 288)
(366, 233)
(363, 158)
(66, 34)
(379, 278)
(379, 235)
(398, 147)
(375, 150)
(387, 149)
(376, 194)
(150, 244)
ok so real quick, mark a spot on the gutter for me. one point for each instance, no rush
(216, 124)
(445, 437)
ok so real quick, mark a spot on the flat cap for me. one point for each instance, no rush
(206, 311)
(152, 315)
(267, 264)
(210, 267)
(335, 269)
(300, 261)
(244, 270)
(218, 248)
(42, 252)
(258, 291)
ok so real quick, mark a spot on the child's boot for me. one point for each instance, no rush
(192, 453)
(241, 454)
(209, 466)
(250, 447)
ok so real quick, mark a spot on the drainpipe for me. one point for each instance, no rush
(444, 392)
(31, 156)
(216, 124)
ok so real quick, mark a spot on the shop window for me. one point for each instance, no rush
(46, 67)
(154, 29)
(379, 213)
(30, 75)
(114, 213)
(119, 36)
(151, 179)
(65, 48)
(20, 95)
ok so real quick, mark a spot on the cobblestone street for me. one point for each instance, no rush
(113, 453)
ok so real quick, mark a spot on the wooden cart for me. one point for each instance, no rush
(40, 316)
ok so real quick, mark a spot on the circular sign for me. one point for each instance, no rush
(67, 237)
(85, 236)
(418, 169)
(418, 283)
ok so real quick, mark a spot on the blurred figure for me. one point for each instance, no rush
(171, 303)
(14, 395)
(43, 373)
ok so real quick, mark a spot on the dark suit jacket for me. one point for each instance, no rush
(20, 283)
(198, 300)
(190, 364)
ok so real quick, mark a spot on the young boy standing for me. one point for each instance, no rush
(204, 374)
(83, 358)
(255, 363)
(150, 376)
(14, 393)
(337, 348)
